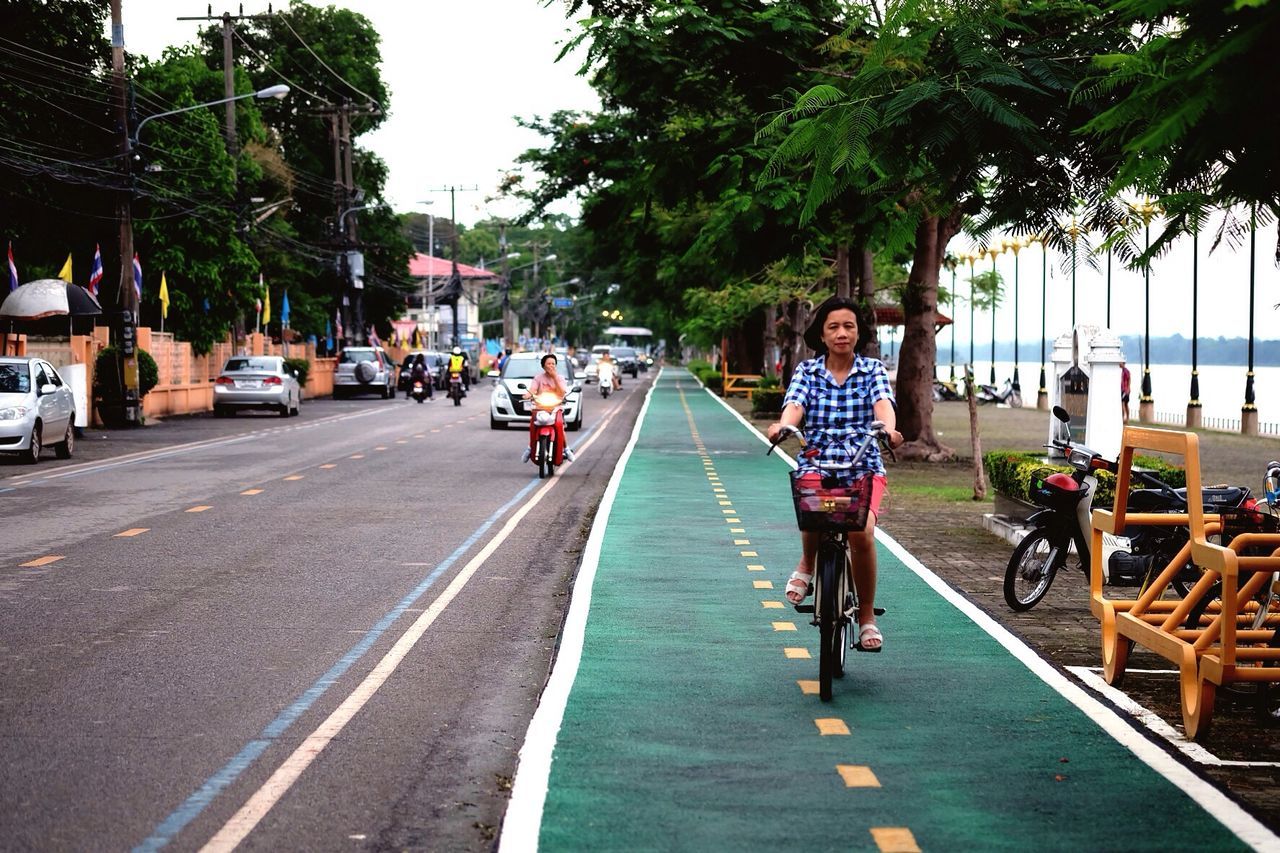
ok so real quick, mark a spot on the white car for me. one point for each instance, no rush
(256, 382)
(506, 405)
(36, 408)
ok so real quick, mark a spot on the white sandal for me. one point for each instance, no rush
(870, 631)
(799, 583)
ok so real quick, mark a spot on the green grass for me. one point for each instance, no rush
(957, 494)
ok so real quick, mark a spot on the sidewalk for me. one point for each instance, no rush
(688, 721)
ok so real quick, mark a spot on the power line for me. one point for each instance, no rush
(285, 20)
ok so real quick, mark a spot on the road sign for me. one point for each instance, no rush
(562, 302)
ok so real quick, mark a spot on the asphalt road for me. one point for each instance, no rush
(297, 601)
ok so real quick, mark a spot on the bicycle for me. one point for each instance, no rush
(835, 508)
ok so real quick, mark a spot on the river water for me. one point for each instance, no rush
(1221, 390)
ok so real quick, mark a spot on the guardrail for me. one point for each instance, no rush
(1179, 419)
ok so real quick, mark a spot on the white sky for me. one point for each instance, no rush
(493, 59)
(474, 63)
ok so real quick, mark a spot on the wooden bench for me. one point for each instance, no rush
(732, 386)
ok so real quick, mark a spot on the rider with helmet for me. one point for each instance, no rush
(458, 364)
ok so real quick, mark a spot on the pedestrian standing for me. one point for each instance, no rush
(1124, 393)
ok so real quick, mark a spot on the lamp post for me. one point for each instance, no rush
(1042, 395)
(1015, 246)
(353, 273)
(993, 251)
(1193, 404)
(972, 258)
(1147, 210)
(951, 265)
(428, 302)
(1074, 231)
(278, 91)
(1249, 412)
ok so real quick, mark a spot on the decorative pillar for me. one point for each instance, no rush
(972, 258)
(1193, 405)
(1042, 396)
(1016, 246)
(992, 251)
(1073, 231)
(951, 265)
(1147, 210)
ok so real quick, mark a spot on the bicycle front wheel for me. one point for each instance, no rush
(828, 599)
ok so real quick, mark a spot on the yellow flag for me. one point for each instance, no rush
(164, 297)
(266, 307)
(65, 275)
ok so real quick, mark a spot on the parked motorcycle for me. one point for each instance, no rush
(548, 452)
(456, 391)
(1064, 520)
(1005, 394)
(419, 390)
(946, 390)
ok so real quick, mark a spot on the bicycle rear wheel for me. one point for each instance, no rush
(827, 598)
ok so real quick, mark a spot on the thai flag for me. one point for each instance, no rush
(95, 274)
(137, 277)
(13, 269)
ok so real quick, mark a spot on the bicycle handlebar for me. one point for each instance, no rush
(874, 429)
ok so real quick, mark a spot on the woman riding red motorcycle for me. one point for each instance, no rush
(549, 380)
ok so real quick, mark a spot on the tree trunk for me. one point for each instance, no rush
(865, 294)
(842, 271)
(918, 356)
(975, 439)
(770, 339)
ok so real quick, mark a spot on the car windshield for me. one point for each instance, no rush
(14, 379)
(251, 364)
(527, 368)
(354, 356)
(623, 352)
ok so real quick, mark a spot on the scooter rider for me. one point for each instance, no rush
(458, 364)
(548, 380)
(418, 373)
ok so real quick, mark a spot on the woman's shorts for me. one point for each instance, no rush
(879, 485)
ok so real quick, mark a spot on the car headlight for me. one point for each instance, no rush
(13, 413)
(501, 393)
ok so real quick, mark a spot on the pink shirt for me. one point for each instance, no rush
(543, 382)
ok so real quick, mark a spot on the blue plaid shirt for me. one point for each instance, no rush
(831, 410)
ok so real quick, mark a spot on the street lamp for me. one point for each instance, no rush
(951, 263)
(993, 251)
(1147, 210)
(278, 91)
(1073, 231)
(1016, 245)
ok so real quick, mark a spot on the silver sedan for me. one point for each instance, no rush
(36, 408)
(256, 382)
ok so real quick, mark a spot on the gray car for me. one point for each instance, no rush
(364, 370)
(256, 382)
(36, 408)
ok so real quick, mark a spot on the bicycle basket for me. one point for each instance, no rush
(833, 503)
(1044, 492)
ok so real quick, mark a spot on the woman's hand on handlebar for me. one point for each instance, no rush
(894, 438)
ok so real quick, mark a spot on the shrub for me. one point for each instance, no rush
(1010, 472)
(106, 373)
(766, 402)
(301, 366)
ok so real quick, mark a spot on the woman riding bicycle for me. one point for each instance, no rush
(836, 393)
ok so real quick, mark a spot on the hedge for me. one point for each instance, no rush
(301, 366)
(106, 373)
(1010, 472)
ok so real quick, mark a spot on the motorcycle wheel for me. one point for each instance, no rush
(1031, 570)
(545, 466)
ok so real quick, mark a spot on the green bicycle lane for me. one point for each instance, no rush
(679, 713)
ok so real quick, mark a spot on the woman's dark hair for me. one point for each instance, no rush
(551, 356)
(813, 334)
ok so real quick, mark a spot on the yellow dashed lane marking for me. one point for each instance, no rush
(132, 531)
(40, 561)
(294, 477)
(762, 584)
(200, 508)
(855, 776)
(252, 492)
(784, 626)
(725, 503)
(419, 435)
(356, 456)
(718, 489)
(808, 688)
(379, 448)
(435, 430)
(727, 511)
(797, 653)
(750, 554)
(327, 466)
(401, 441)
(831, 726)
(895, 839)
(737, 530)
(755, 567)
(771, 605)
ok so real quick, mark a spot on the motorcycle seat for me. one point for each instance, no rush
(1220, 495)
(1154, 500)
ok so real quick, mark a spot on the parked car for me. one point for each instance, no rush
(505, 403)
(256, 382)
(436, 363)
(364, 370)
(35, 406)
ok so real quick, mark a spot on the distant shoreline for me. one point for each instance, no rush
(1172, 349)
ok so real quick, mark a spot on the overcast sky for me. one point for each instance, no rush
(490, 60)
(457, 71)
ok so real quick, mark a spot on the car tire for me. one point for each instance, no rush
(393, 392)
(32, 455)
(68, 444)
(494, 423)
(283, 410)
(366, 372)
(338, 393)
(576, 425)
(220, 411)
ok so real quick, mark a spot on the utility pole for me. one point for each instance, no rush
(126, 295)
(454, 292)
(508, 316)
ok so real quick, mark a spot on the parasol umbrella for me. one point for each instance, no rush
(38, 306)
(49, 297)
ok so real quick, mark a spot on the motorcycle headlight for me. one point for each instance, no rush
(542, 418)
(13, 413)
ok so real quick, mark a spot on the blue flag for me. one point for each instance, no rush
(284, 309)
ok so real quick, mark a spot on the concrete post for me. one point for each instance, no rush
(1105, 423)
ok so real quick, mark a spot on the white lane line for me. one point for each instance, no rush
(264, 799)
(1152, 721)
(167, 452)
(523, 820)
(1224, 809)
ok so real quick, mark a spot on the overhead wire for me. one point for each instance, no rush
(284, 17)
